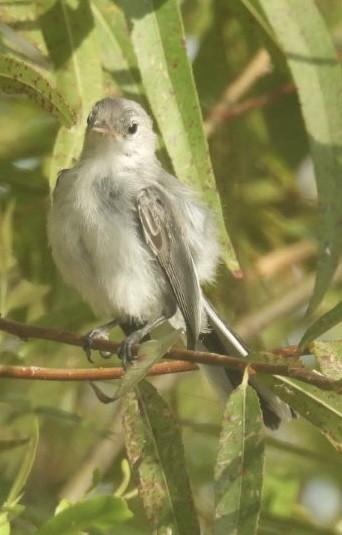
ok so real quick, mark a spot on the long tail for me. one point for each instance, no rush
(222, 339)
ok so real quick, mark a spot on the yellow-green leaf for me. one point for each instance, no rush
(239, 465)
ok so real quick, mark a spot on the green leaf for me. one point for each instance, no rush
(21, 33)
(6, 255)
(240, 464)
(102, 513)
(159, 43)
(322, 408)
(323, 324)
(256, 11)
(66, 150)
(155, 452)
(5, 528)
(71, 38)
(19, 78)
(150, 353)
(26, 466)
(312, 59)
(329, 356)
(69, 31)
(117, 50)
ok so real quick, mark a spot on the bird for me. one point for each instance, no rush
(138, 244)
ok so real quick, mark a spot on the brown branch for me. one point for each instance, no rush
(229, 105)
(255, 103)
(281, 259)
(281, 306)
(259, 66)
(224, 111)
(184, 360)
(86, 374)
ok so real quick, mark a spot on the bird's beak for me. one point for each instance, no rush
(101, 127)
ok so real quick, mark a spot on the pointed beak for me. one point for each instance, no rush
(101, 127)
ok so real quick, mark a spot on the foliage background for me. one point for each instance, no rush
(259, 149)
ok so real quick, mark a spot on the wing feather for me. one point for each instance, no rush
(163, 234)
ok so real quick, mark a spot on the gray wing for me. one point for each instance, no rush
(163, 234)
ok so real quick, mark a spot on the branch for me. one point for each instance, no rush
(86, 374)
(280, 307)
(230, 105)
(280, 260)
(184, 360)
(255, 103)
(259, 66)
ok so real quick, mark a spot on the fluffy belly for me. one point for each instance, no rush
(117, 278)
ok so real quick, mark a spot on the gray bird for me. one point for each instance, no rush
(137, 244)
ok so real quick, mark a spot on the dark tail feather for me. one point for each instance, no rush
(222, 339)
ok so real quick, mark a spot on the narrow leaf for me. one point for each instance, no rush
(256, 11)
(19, 78)
(67, 147)
(155, 452)
(323, 324)
(69, 31)
(239, 466)
(26, 466)
(317, 74)
(159, 43)
(117, 49)
(102, 513)
(70, 35)
(329, 356)
(323, 409)
(5, 528)
(21, 31)
(150, 353)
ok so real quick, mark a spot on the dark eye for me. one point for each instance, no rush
(133, 128)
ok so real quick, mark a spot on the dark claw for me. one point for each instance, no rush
(90, 338)
(125, 351)
(101, 396)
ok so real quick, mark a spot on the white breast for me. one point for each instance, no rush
(99, 252)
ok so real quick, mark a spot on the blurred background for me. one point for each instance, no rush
(264, 173)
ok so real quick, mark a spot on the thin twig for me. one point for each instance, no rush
(259, 66)
(281, 259)
(280, 307)
(255, 103)
(229, 104)
(291, 369)
(86, 374)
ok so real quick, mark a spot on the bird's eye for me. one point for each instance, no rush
(133, 127)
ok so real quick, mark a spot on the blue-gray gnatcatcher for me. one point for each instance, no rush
(137, 244)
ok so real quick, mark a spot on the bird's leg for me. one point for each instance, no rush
(125, 351)
(100, 332)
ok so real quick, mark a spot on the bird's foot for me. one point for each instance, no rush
(100, 333)
(125, 351)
